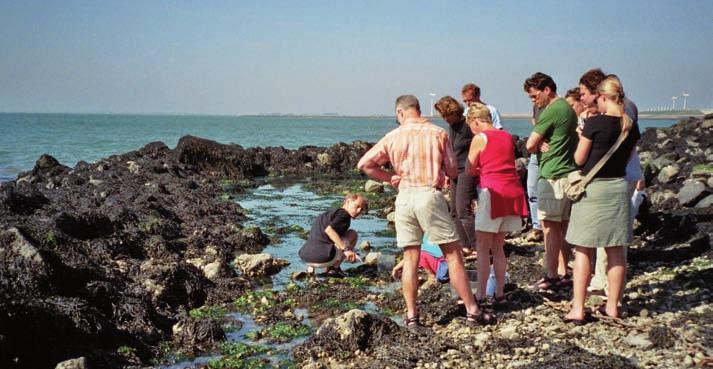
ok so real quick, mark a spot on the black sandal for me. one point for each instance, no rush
(500, 301)
(566, 280)
(548, 284)
(335, 273)
(602, 309)
(579, 322)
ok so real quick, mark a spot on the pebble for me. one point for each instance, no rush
(638, 340)
(668, 173)
(509, 333)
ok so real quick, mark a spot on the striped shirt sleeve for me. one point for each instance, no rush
(378, 153)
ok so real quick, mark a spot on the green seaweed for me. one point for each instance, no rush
(208, 312)
(51, 238)
(238, 355)
(356, 282)
(256, 302)
(125, 350)
(241, 349)
(700, 169)
(281, 332)
(333, 303)
(238, 363)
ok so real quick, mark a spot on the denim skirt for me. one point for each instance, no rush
(601, 217)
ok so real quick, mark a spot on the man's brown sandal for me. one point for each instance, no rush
(412, 322)
(481, 318)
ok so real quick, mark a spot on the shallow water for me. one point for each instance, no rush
(270, 206)
(293, 205)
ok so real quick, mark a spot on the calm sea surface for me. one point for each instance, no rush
(90, 137)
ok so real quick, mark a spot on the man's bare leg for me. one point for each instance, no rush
(553, 244)
(409, 279)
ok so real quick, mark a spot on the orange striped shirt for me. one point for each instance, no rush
(419, 151)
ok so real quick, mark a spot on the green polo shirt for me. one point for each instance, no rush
(557, 124)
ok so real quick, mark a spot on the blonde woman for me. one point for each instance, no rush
(601, 218)
(501, 198)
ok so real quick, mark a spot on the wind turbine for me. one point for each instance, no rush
(673, 102)
(685, 95)
(432, 96)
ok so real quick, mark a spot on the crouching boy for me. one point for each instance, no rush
(331, 241)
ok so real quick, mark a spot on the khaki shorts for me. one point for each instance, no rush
(422, 210)
(483, 221)
(552, 204)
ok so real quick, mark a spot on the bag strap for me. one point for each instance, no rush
(626, 124)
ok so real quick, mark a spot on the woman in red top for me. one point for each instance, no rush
(501, 199)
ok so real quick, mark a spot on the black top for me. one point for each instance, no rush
(319, 248)
(604, 130)
(461, 136)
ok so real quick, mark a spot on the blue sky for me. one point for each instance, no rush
(347, 57)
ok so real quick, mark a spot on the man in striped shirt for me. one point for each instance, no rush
(422, 157)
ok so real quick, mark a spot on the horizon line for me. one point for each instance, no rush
(643, 114)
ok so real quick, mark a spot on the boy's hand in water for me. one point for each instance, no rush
(350, 255)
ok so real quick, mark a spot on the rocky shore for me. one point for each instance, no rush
(115, 263)
(116, 253)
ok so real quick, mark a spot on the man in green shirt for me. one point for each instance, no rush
(554, 140)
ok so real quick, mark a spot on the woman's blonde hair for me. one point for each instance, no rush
(612, 89)
(478, 111)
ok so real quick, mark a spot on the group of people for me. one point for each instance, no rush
(592, 130)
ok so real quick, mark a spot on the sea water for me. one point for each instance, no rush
(90, 137)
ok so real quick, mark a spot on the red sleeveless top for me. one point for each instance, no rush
(498, 175)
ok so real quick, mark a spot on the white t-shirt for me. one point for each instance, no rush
(494, 115)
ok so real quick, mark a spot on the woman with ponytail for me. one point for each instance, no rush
(601, 218)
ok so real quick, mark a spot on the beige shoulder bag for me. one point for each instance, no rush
(577, 182)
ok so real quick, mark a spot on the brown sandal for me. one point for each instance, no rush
(482, 318)
(412, 322)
